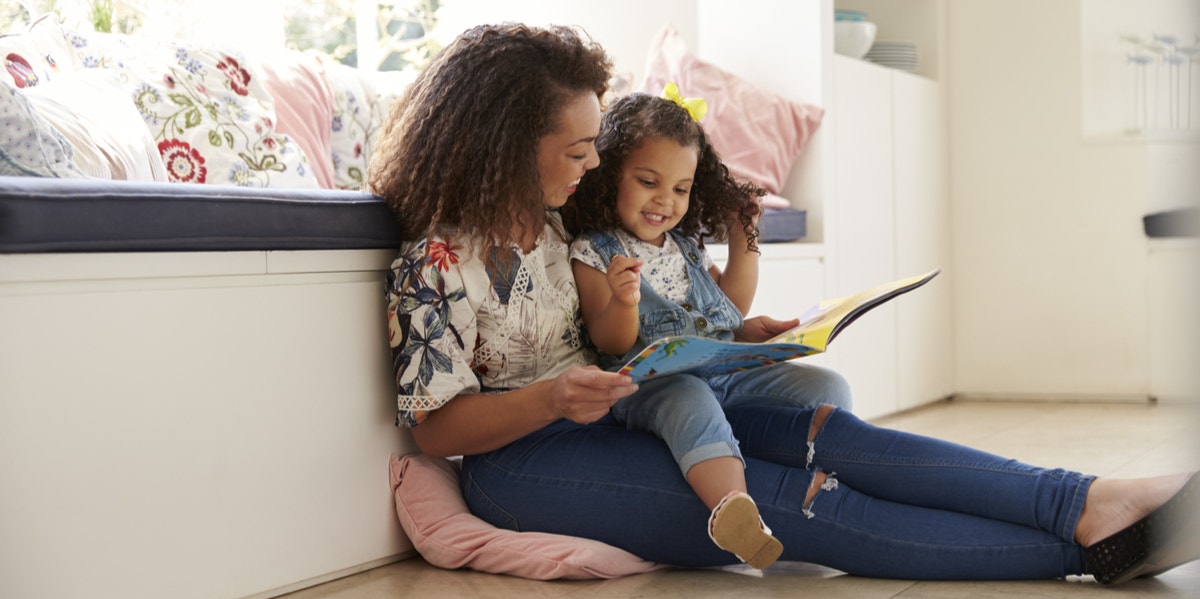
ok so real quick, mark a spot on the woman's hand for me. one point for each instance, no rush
(585, 394)
(762, 328)
(475, 423)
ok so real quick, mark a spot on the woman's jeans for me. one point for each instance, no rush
(688, 412)
(896, 505)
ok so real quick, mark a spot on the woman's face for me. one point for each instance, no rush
(570, 151)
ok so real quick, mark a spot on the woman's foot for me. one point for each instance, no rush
(1114, 503)
(736, 527)
(1142, 527)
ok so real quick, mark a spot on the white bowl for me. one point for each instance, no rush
(853, 38)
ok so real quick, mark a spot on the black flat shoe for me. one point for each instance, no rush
(1167, 537)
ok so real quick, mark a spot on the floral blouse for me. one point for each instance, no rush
(457, 324)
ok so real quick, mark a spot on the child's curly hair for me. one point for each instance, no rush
(460, 146)
(715, 193)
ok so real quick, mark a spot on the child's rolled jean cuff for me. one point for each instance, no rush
(720, 449)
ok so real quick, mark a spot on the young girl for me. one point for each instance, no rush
(643, 274)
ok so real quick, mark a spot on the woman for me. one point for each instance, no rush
(491, 362)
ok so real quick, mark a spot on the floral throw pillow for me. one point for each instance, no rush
(353, 119)
(207, 108)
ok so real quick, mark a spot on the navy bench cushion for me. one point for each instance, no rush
(86, 215)
(40, 215)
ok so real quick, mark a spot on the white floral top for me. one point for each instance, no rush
(664, 269)
(459, 325)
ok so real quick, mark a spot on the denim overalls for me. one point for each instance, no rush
(706, 311)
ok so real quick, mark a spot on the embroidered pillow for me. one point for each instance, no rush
(37, 55)
(757, 133)
(90, 50)
(435, 517)
(207, 108)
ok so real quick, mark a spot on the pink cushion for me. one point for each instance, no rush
(435, 517)
(757, 133)
(303, 108)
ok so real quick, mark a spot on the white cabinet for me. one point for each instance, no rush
(923, 240)
(790, 279)
(891, 220)
(863, 233)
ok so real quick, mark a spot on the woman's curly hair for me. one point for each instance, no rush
(715, 194)
(460, 145)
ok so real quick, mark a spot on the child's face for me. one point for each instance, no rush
(656, 182)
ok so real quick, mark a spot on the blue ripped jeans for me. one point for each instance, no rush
(903, 505)
(688, 412)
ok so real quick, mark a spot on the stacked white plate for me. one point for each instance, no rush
(899, 54)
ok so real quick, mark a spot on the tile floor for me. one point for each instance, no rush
(1123, 440)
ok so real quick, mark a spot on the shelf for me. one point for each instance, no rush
(774, 251)
(914, 20)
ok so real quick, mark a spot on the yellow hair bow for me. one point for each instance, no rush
(696, 107)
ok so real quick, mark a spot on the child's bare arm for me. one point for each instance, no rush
(610, 303)
(739, 281)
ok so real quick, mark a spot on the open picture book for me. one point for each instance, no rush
(818, 326)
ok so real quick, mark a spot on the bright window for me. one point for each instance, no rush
(389, 35)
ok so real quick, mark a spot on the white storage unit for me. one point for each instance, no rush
(892, 221)
(220, 418)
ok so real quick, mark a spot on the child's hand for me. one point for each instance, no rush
(625, 279)
(763, 328)
(752, 208)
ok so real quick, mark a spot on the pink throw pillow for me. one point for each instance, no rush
(435, 517)
(758, 134)
(303, 108)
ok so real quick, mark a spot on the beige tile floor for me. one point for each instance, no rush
(1123, 440)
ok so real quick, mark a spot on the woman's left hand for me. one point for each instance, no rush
(762, 328)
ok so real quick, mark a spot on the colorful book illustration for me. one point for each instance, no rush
(818, 326)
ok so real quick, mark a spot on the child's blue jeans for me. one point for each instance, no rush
(904, 505)
(688, 412)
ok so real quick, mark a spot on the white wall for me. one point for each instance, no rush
(1051, 259)
(624, 27)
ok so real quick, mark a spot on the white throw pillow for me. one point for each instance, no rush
(95, 113)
